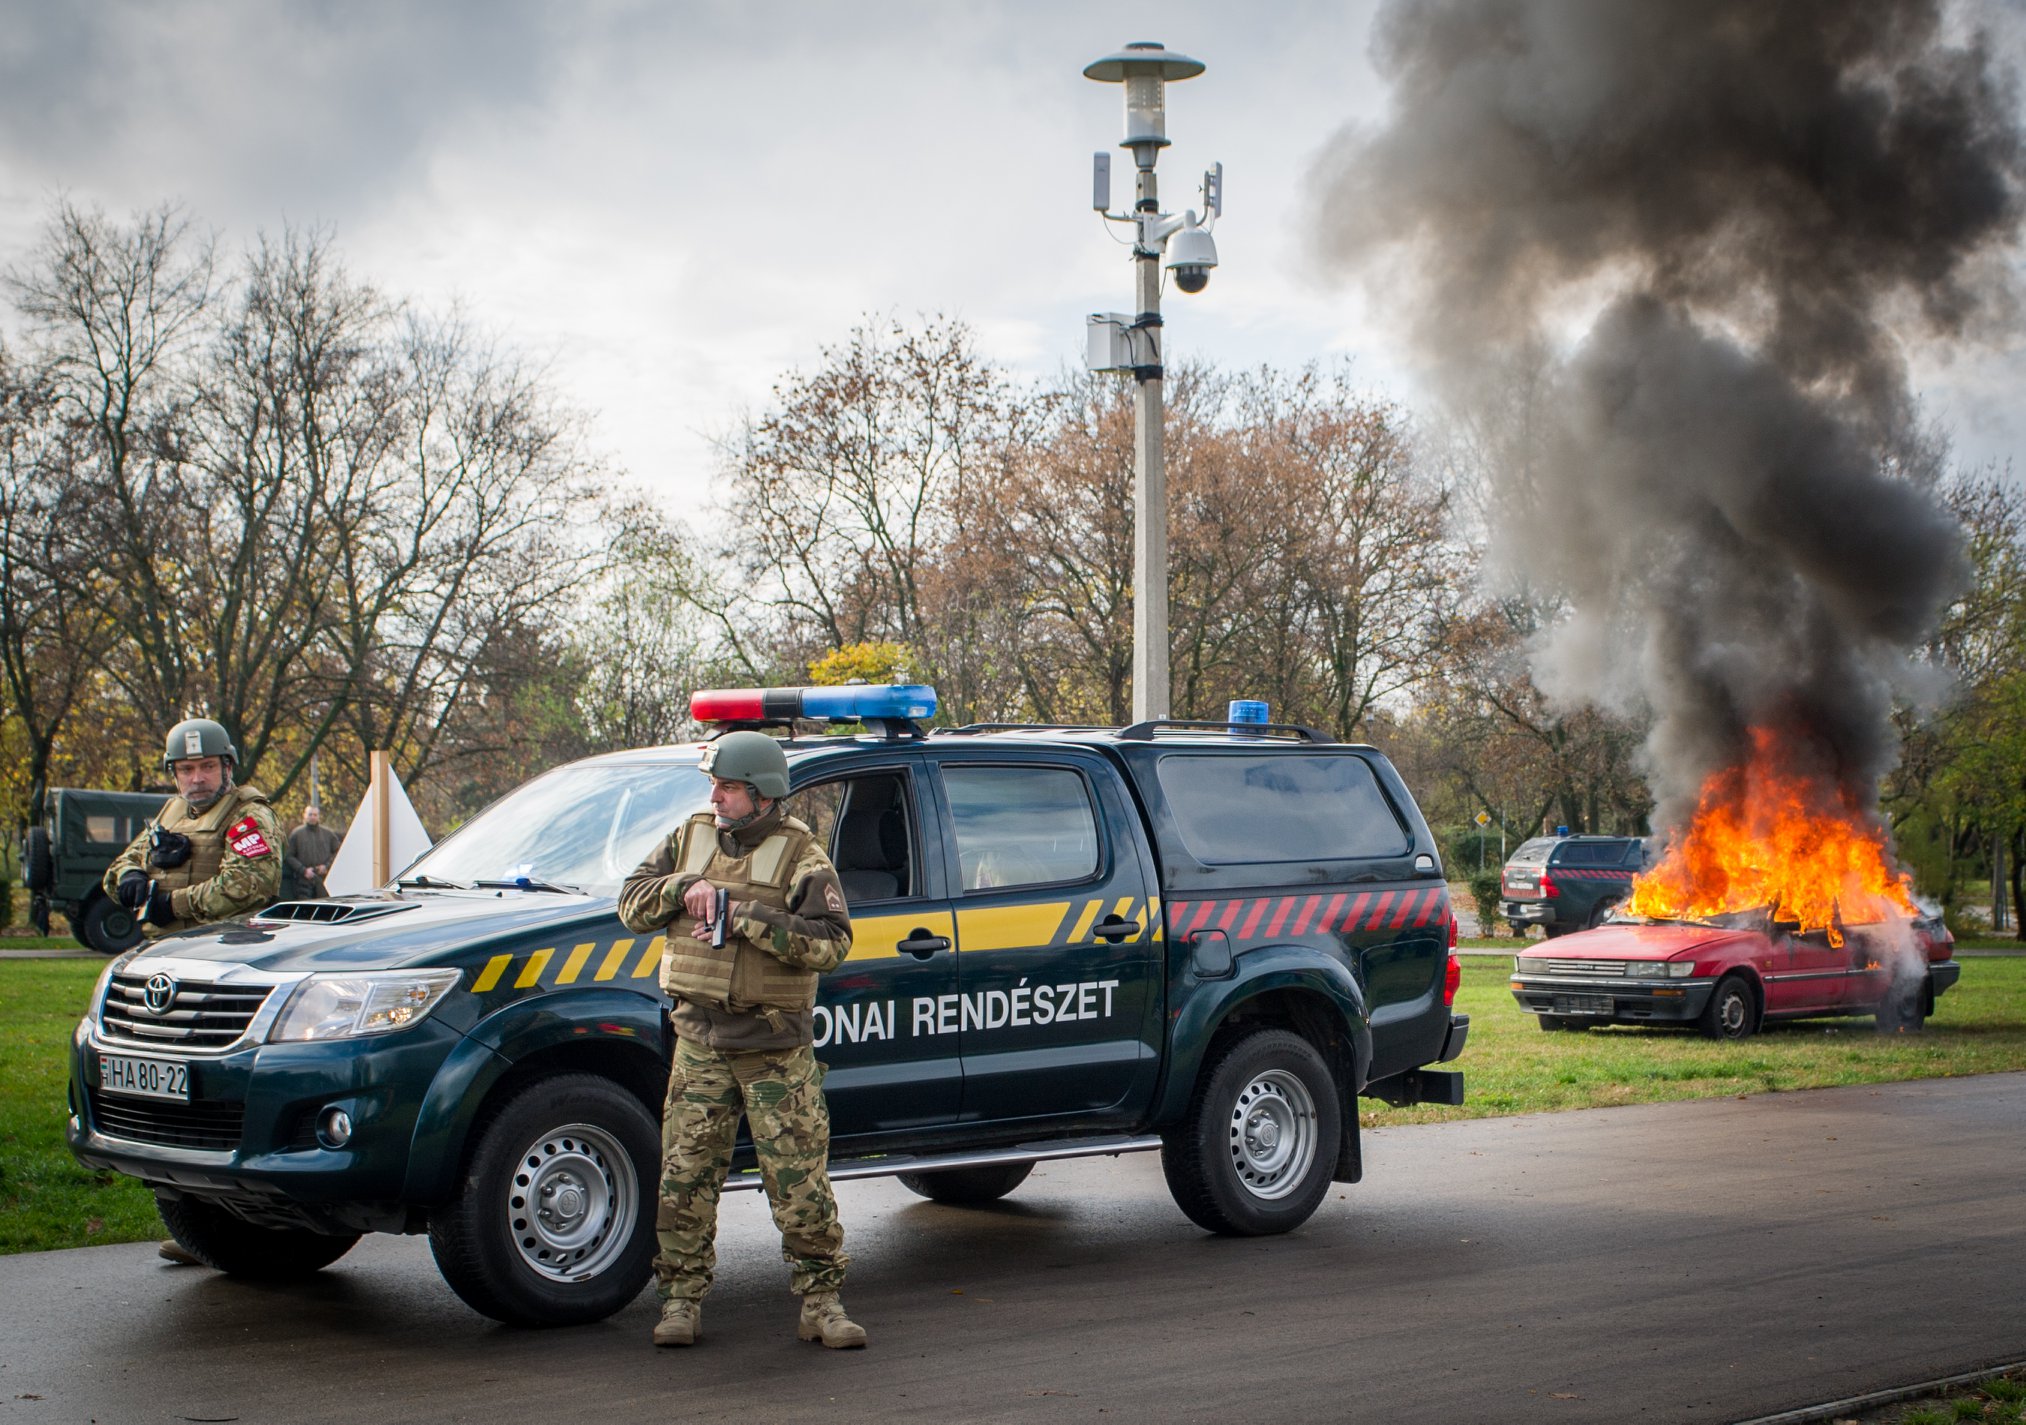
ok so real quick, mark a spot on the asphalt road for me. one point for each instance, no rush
(1704, 1261)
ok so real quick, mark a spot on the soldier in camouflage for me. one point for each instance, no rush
(744, 1032)
(212, 852)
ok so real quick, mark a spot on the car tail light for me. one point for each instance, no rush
(1451, 978)
(1548, 887)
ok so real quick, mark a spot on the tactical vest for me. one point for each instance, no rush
(206, 831)
(739, 974)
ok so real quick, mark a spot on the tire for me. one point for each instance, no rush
(1732, 1011)
(1904, 1009)
(107, 926)
(967, 1187)
(227, 1244)
(1255, 1153)
(594, 1150)
(38, 867)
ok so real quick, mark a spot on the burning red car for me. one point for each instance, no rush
(1730, 974)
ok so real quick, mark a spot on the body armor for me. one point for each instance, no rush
(206, 832)
(738, 974)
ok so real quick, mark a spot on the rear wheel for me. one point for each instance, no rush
(967, 1186)
(553, 1224)
(107, 926)
(224, 1242)
(1732, 1011)
(1904, 1010)
(1255, 1153)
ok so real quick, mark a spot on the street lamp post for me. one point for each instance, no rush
(1132, 344)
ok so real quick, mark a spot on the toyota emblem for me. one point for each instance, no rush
(159, 993)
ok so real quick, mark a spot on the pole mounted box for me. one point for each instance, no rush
(1108, 342)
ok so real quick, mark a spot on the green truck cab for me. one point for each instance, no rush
(1201, 940)
(64, 856)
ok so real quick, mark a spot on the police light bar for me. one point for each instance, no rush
(855, 702)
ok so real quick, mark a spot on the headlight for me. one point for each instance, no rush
(347, 1006)
(1659, 969)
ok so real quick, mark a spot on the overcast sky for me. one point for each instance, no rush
(677, 202)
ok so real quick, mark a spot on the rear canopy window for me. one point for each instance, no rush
(1592, 853)
(1238, 810)
(1533, 853)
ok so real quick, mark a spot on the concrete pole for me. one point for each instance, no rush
(1150, 476)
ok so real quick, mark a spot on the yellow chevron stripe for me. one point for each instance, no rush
(575, 963)
(1085, 921)
(489, 976)
(613, 957)
(1008, 927)
(650, 959)
(1154, 917)
(531, 975)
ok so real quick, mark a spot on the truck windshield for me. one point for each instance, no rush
(583, 827)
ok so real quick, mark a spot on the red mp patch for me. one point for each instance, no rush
(244, 837)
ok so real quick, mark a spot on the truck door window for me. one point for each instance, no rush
(1021, 826)
(1243, 810)
(864, 823)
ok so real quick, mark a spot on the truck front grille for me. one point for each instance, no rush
(1586, 967)
(170, 1125)
(199, 1016)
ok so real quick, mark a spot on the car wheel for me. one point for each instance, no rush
(37, 866)
(239, 1248)
(1255, 1153)
(1732, 1011)
(1904, 1009)
(966, 1186)
(107, 926)
(553, 1222)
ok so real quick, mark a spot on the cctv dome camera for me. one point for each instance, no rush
(1191, 255)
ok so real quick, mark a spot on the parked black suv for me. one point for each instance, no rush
(1565, 883)
(1205, 940)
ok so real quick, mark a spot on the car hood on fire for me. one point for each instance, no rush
(1635, 942)
(387, 932)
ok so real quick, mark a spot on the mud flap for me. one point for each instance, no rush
(1350, 1155)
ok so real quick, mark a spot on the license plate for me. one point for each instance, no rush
(1582, 1004)
(144, 1078)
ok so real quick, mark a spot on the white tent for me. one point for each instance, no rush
(388, 817)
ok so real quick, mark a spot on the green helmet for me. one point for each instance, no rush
(748, 757)
(197, 737)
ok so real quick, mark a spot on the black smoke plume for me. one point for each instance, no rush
(1748, 209)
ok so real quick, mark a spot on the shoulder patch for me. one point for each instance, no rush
(833, 897)
(244, 837)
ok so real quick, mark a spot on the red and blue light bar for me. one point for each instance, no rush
(854, 702)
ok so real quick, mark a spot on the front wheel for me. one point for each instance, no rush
(107, 926)
(1904, 1009)
(553, 1223)
(963, 1187)
(227, 1244)
(1732, 1011)
(1255, 1153)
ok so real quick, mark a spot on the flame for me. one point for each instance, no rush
(1766, 835)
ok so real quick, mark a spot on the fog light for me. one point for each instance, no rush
(334, 1129)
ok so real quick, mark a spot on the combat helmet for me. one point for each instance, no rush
(197, 737)
(748, 757)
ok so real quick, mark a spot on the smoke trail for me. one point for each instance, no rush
(1759, 203)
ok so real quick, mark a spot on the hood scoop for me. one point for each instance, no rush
(331, 912)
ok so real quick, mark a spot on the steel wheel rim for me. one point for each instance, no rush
(1731, 1013)
(572, 1202)
(1273, 1134)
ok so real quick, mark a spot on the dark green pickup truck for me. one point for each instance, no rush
(65, 855)
(1205, 940)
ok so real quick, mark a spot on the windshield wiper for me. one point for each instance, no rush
(528, 883)
(433, 883)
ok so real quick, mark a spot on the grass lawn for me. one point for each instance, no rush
(47, 1200)
(1510, 1066)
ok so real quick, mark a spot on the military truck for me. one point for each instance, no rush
(64, 857)
(1205, 940)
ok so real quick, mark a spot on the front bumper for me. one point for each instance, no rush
(1604, 1001)
(247, 1136)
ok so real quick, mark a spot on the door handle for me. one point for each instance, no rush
(1114, 928)
(921, 944)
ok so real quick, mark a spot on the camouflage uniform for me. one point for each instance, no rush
(234, 864)
(744, 1037)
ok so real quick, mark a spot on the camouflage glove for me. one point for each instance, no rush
(134, 889)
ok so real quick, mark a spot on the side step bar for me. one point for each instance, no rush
(885, 1165)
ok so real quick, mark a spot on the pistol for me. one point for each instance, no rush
(141, 916)
(720, 910)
